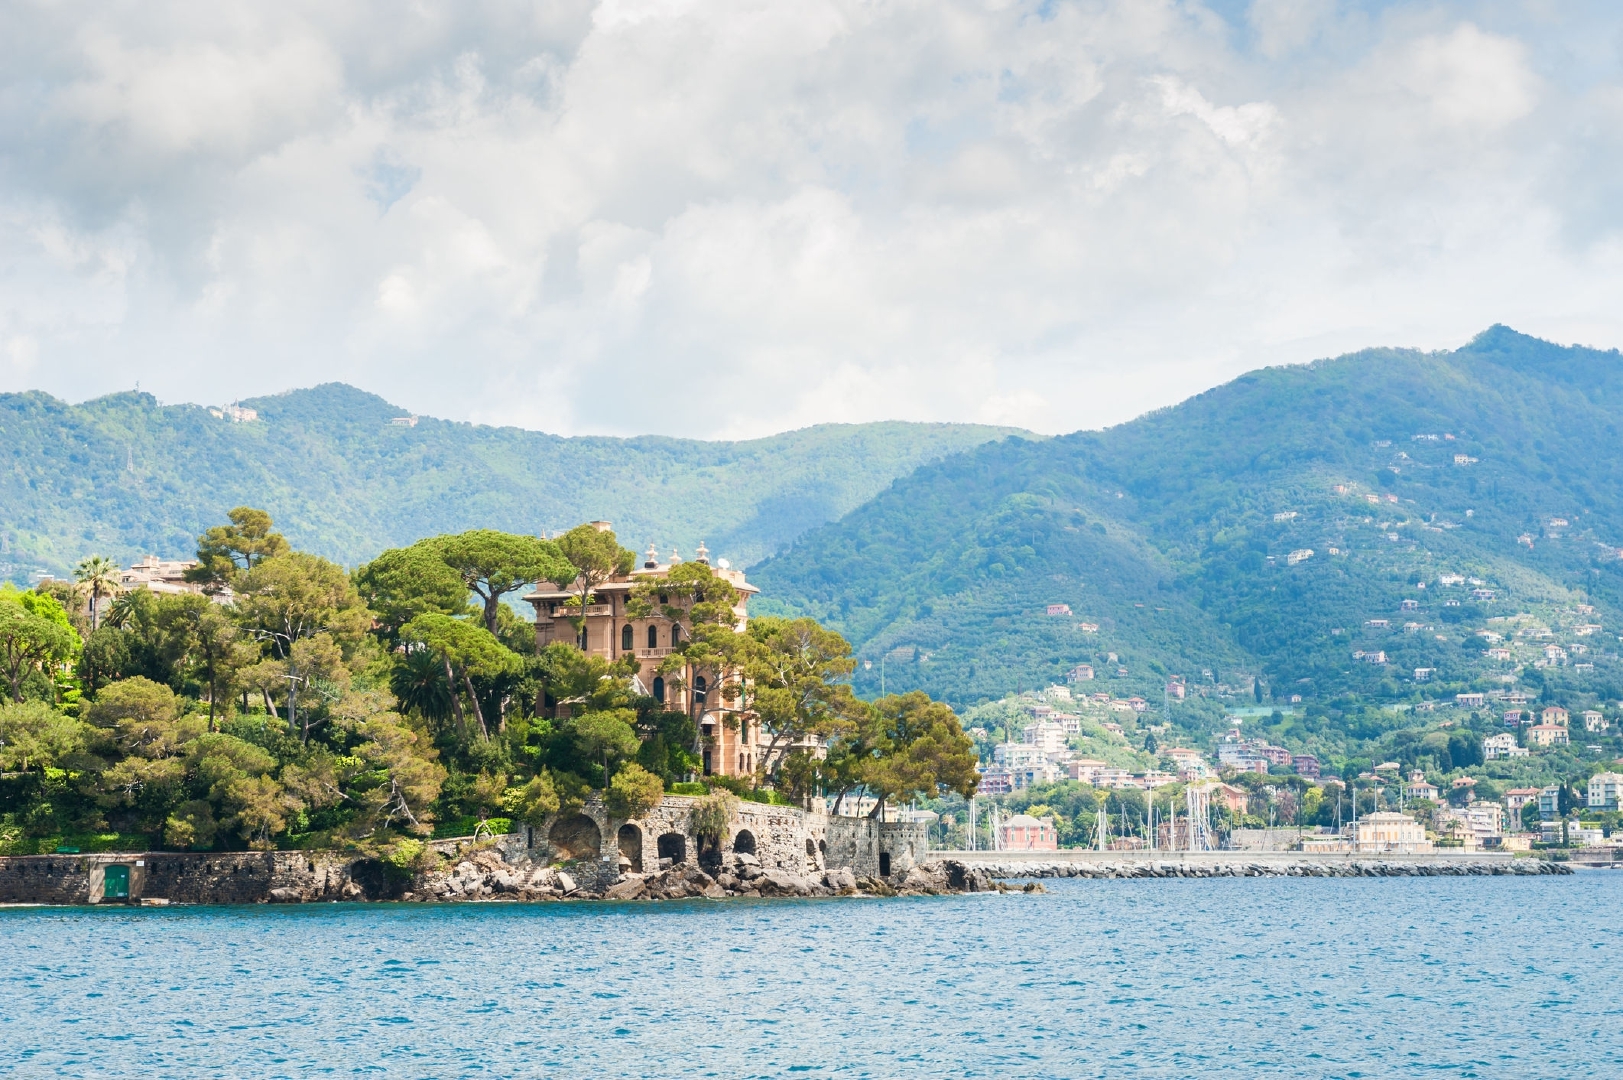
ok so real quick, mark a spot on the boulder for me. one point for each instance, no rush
(634, 887)
(566, 883)
(286, 896)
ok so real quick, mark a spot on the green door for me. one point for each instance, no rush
(116, 883)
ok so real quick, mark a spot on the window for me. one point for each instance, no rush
(625, 639)
(676, 634)
(653, 637)
(699, 686)
(659, 688)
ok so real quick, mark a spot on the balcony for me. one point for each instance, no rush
(653, 654)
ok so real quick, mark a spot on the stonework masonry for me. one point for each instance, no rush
(595, 849)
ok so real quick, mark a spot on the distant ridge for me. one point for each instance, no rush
(1174, 535)
(124, 476)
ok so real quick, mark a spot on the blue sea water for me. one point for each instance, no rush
(1453, 977)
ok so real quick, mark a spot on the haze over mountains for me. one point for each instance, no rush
(1174, 534)
(124, 476)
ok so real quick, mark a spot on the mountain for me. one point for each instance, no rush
(124, 476)
(1252, 539)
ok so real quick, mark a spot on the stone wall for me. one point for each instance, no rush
(876, 848)
(194, 877)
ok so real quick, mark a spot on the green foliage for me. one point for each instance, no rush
(1163, 534)
(711, 815)
(633, 792)
(343, 483)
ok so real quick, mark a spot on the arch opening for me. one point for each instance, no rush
(744, 842)
(673, 846)
(630, 839)
(625, 639)
(576, 837)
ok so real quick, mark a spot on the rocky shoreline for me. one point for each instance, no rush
(485, 875)
(1241, 868)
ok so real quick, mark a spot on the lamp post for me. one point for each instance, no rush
(867, 665)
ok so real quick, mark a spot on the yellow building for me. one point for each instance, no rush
(731, 747)
(1386, 831)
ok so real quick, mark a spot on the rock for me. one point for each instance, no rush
(351, 891)
(750, 873)
(743, 858)
(286, 896)
(566, 883)
(714, 891)
(632, 888)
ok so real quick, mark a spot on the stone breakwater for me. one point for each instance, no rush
(1242, 868)
(486, 875)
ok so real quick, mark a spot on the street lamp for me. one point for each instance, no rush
(867, 665)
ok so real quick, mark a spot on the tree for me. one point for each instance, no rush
(493, 564)
(403, 583)
(35, 634)
(225, 552)
(105, 655)
(465, 650)
(633, 792)
(606, 736)
(99, 577)
(412, 778)
(594, 556)
(286, 598)
(916, 749)
(34, 735)
(793, 674)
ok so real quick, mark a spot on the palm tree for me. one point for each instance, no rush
(99, 576)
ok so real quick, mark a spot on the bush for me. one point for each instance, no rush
(712, 814)
(633, 792)
(689, 789)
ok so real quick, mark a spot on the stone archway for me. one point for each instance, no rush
(631, 847)
(811, 855)
(673, 846)
(576, 837)
(744, 842)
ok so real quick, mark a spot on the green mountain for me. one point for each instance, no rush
(124, 476)
(1395, 477)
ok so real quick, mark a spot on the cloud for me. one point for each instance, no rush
(724, 219)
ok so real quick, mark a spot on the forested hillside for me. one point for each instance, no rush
(124, 476)
(1482, 486)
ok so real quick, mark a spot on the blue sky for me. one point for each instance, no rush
(725, 219)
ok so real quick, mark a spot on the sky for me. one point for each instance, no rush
(725, 219)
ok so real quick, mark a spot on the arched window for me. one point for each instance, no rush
(659, 688)
(699, 686)
(653, 637)
(676, 634)
(625, 639)
(583, 639)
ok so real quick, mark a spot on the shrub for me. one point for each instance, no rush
(633, 792)
(684, 788)
(712, 814)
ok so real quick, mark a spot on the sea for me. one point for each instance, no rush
(1496, 977)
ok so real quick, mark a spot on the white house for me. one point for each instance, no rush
(1606, 791)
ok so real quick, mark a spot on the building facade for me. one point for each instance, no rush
(731, 744)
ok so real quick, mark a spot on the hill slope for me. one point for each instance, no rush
(123, 476)
(1173, 535)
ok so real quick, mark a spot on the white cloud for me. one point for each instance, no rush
(730, 218)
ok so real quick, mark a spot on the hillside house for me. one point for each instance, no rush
(1470, 701)
(995, 780)
(1546, 735)
(1080, 673)
(1554, 714)
(1300, 555)
(1306, 765)
(166, 576)
(1424, 674)
(1418, 788)
(1059, 609)
(1516, 798)
(1497, 653)
(1176, 690)
(1386, 831)
(1595, 721)
(1378, 624)
(1409, 605)
(1085, 770)
(1606, 791)
(1503, 745)
(1376, 657)
(1088, 628)
(730, 744)
(1481, 594)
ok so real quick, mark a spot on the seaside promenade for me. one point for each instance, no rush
(1077, 862)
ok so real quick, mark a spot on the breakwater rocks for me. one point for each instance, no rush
(486, 875)
(1242, 868)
